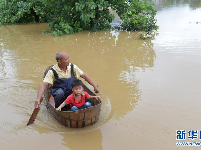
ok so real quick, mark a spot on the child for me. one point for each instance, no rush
(77, 98)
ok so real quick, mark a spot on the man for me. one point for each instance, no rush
(63, 70)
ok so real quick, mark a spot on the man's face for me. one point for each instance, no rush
(64, 60)
(77, 90)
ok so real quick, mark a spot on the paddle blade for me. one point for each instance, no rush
(34, 114)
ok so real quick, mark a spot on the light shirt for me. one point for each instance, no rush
(49, 78)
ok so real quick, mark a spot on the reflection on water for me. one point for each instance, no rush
(193, 4)
(135, 55)
(7, 64)
(91, 140)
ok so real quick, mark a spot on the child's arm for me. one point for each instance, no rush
(96, 97)
(61, 106)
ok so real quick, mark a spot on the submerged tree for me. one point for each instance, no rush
(70, 16)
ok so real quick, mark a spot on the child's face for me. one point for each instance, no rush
(77, 90)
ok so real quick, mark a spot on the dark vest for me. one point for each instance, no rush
(63, 83)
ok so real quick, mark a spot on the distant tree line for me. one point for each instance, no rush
(70, 16)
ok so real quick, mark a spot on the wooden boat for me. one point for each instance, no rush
(77, 119)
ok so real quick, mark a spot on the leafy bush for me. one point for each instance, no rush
(137, 15)
(70, 16)
(15, 11)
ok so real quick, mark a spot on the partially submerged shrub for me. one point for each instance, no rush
(70, 16)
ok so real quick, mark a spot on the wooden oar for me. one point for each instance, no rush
(34, 114)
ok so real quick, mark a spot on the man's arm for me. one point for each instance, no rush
(89, 80)
(40, 93)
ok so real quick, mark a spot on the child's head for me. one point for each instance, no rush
(77, 86)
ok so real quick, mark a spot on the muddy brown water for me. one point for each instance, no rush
(149, 88)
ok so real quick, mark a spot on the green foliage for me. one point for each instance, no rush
(70, 16)
(77, 16)
(15, 11)
(137, 15)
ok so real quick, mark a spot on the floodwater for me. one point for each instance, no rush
(149, 88)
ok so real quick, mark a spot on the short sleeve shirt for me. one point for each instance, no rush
(49, 78)
(71, 100)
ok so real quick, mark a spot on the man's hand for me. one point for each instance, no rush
(40, 93)
(37, 103)
(96, 89)
(88, 79)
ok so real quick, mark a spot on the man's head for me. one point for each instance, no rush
(77, 87)
(62, 58)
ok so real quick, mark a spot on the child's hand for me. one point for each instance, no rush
(97, 97)
(58, 109)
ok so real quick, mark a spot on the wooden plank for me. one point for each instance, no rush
(34, 114)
